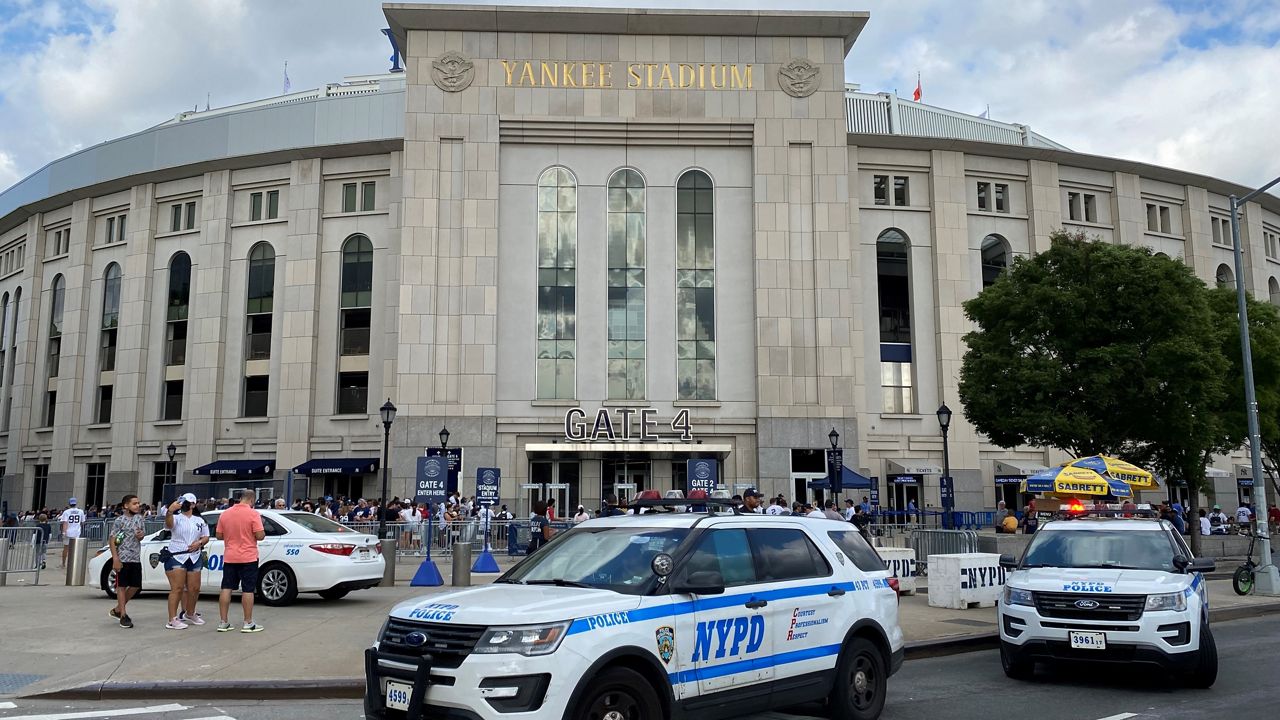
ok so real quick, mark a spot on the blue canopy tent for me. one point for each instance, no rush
(849, 479)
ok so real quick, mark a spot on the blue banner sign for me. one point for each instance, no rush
(433, 479)
(488, 482)
(703, 474)
(454, 455)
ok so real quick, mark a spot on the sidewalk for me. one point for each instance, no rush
(59, 639)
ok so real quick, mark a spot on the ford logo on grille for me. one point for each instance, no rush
(1084, 604)
(417, 639)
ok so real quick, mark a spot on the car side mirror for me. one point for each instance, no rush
(1008, 562)
(1181, 563)
(706, 582)
(1202, 565)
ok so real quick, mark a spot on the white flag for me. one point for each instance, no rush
(287, 85)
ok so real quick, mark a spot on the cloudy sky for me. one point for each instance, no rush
(1184, 84)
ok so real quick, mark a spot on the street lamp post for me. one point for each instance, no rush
(173, 466)
(945, 485)
(388, 411)
(1267, 582)
(836, 465)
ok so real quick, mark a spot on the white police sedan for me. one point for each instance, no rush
(302, 552)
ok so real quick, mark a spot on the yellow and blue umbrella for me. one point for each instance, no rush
(1116, 469)
(1071, 481)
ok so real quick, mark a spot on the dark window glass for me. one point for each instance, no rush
(105, 393)
(255, 206)
(172, 400)
(900, 194)
(177, 343)
(367, 196)
(175, 218)
(41, 489)
(179, 286)
(273, 204)
(96, 484)
(786, 554)
(348, 197)
(355, 331)
(262, 279)
(191, 215)
(1002, 198)
(995, 258)
(353, 393)
(357, 272)
(58, 293)
(272, 528)
(984, 202)
(880, 189)
(111, 296)
(50, 407)
(855, 547)
(55, 356)
(259, 337)
(256, 390)
(725, 552)
(894, 287)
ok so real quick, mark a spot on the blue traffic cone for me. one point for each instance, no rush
(428, 575)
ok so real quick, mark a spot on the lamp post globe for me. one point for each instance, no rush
(172, 450)
(444, 437)
(944, 417)
(834, 437)
(388, 412)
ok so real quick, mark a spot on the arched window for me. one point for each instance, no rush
(695, 287)
(1225, 278)
(260, 301)
(357, 294)
(995, 258)
(557, 283)
(893, 278)
(626, 223)
(4, 338)
(1273, 291)
(110, 318)
(177, 311)
(57, 299)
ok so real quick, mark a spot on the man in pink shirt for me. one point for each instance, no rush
(240, 528)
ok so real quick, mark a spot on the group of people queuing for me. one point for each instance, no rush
(1210, 522)
(239, 527)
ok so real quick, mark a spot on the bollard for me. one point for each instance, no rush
(388, 556)
(77, 561)
(4, 559)
(461, 564)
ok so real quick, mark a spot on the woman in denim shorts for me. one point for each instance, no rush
(183, 565)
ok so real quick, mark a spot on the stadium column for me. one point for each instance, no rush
(1044, 204)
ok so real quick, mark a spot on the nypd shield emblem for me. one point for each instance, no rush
(666, 642)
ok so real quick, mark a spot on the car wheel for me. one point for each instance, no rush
(1242, 581)
(862, 681)
(1206, 671)
(333, 594)
(277, 585)
(1013, 667)
(108, 581)
(619, 694)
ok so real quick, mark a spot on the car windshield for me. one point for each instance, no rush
(1100, 548)
(315, 523)
(615, 559)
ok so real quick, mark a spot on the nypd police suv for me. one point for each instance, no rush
(652, 616)
(1108, 589)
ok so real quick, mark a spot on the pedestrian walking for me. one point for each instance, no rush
(72, 520)
(240, 529)
(182, 566)
(125, 544)
(46, 530)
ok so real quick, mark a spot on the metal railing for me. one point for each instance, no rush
(928, 541)
(21, 552)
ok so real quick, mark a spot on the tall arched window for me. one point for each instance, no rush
(557, 283)
(1273, 291)
(11, 358)
(1224, 277)
(110, 318)
(695, 287)
(626, 285)
(57, 303)
(893, 277)
(260, 301)
(355, 320)
(177, 309)
(995, 258)
(4, 337)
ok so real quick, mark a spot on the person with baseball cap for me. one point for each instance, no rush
(751, 498)
(72, 520)
(182, 564)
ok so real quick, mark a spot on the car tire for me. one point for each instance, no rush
(277, 585)
(622, 691)
(108, 580)
(1015, 668)
(1206, 670)
(861, 684)
(333, 594)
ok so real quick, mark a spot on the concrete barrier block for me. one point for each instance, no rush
(902, 565)
(963, 580)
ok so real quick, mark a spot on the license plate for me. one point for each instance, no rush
(398, 694)
(1088, 640)
(364, 553)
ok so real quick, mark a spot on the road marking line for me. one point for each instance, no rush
(1121, 716)
(215, 717)
(173, 707)
(7, 706)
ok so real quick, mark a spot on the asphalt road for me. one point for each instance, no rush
(960, 687)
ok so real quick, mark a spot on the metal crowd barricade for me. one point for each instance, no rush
(20, 552)
(928, 541)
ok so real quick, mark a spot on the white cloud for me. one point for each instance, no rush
(1105, 77)
(9, 173)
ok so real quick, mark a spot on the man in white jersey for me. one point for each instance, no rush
(72, 520)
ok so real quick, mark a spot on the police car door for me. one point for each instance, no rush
(804, 615)
(211, 576)
(723, 642)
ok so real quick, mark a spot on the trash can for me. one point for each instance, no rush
(77, 561)
(461, 564)
(389, 557)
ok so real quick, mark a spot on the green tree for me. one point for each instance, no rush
(1090, 348)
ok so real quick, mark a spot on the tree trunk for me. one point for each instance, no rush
(1195, 480)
